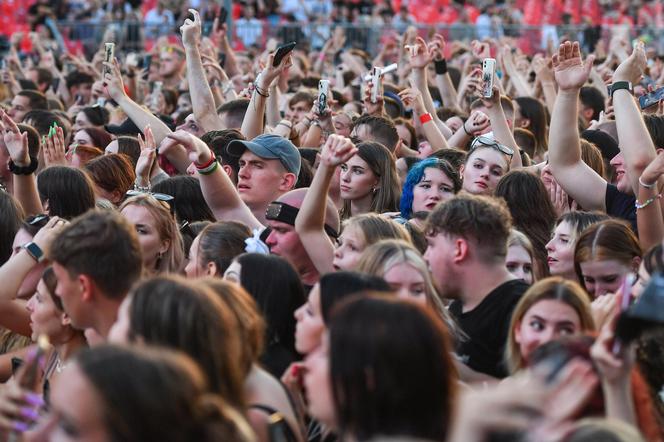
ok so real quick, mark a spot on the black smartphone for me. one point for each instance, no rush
(651, 98)
(223, 15)
(281, 52)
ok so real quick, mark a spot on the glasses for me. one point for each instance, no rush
(490, 142)
(164, 198)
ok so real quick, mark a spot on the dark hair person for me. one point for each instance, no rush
(65, 192)
(369, 380)
(139, 394)
(175, 313)
(215, 247)
(275, 285)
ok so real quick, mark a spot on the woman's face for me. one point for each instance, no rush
(433, 188)
(560, 251)
(482, 171)
(81, 122)
(82, 419)
(233, 272)
(152, 245)
(82, 137)
(119, 333)
(407, 282)
(357, 180)
(602, 277)
(342, 124)
(543, 322)
(350, 248)
(310, 326)
(193, 268)
(45, 318)
(317, 385)
(405, 135)
(519, 263)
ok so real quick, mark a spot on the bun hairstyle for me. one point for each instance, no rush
(157, 395)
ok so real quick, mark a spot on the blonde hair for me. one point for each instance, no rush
(375, 228)
(171, 260)
(553, 288)
(379, 258)
(518, 238)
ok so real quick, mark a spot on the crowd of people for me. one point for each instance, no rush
(271, 246)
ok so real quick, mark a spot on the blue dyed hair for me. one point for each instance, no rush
(416, 174)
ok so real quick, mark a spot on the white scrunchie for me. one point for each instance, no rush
(255, 245)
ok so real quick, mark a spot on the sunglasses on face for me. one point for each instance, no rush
(167, 199)
(482, 141)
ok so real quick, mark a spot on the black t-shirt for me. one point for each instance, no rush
(620, 205)
(487, 326)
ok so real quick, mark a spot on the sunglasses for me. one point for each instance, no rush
(482, 141)
(164, 198)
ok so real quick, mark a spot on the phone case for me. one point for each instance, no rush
(375, 84)
(488, 71)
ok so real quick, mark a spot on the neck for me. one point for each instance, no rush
(107, 313)
(308, 274)
(479, 281)
(361, 205)
(67, 349)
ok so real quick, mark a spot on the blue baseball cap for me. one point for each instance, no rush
(271, 147)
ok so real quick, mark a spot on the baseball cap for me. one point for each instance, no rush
(271, 147)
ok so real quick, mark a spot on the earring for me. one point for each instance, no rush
(374, 190)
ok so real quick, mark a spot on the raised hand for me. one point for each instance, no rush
(632, 68)
(437, 46)
(477, 122)
(654, 170)
(147, 159)
(421, 54)
(54, 147)
(197, 150)
(336, 151)
(412, 98)
(113, 81)
(17, 143)
(569, 69)
(191, 30)
(47, 234)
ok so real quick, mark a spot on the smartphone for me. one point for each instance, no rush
(281, 52)
(323, 91)
(223, 15)
(3, 64)
(651, 98)
(375, 84)
(488, 71)
(108, 56)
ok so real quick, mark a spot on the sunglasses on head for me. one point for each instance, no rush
(482, 141)
(164, 198)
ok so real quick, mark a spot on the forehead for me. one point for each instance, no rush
(405, 272)
(518, 253)
(553, 309)
(20, 100)
(603, 267)
(435, 174)
(190, 119)
(564, 228)
(489, 155)
(138, 214)
(274, 224)
(356, 160)
(302, 104)
(248, 155)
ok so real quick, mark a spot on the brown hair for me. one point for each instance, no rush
(375, 228)
(553, 288)
(112, 172)
(104, 246)
(592, 156)
(86, 152)
(483, 220)
(220, 242)
(610, 239)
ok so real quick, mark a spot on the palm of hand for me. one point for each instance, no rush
(570, 73)
(15, 147)
(421, 60)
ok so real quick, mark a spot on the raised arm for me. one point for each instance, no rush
(218, 190)
(25, 184)
(310, 220)
(412, 98)
(252, 125)
(649, 209)
(443, 80)
(202, 100)
(580, 182)
(501, 130)
(635, 141)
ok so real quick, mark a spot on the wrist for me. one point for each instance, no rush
(204, 159)
(647, 181)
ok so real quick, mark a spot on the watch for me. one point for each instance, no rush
(34, 251)
(621, 85)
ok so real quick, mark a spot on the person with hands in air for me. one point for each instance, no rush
(412, 98)
(148, 171)
(310, 221)
(648, 205)
(22, 164)
(584, 185)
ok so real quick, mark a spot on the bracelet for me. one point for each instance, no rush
(425, 118)
(315, 123)
(281, 123)
(648, 202)
(208, 164)
(24, 170)
(208, 170)
(258, 91)
(441, 66)
(647, 186)
(466, 130)
(143, 189)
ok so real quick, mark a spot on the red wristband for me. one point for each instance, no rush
(425, 118)
(206, 165)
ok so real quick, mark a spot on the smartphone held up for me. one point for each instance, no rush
(488, 73)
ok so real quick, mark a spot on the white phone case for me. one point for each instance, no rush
(488, 72)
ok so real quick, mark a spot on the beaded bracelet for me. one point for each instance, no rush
(648, 202)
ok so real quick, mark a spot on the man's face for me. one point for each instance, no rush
(170, 64)
(259, 180)
(621, 179)
(439, 256)
(69, 290)
(297, 111)
(20, 107)
(84, 90)
(285, 242)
